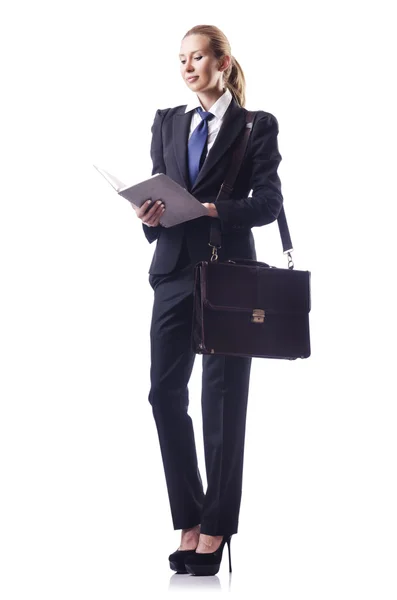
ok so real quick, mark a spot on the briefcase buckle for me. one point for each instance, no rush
(214, 255)
(258, 315)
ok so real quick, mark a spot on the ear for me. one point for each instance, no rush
(225, 62)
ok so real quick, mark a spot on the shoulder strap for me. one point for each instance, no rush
(227, 188)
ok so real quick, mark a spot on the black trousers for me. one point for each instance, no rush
(225, 384)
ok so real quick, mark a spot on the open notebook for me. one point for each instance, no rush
(180, 205)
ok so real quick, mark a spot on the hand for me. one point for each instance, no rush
(150, 212)
(212, 212)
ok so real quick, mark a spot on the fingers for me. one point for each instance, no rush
(150, 213)
(152, 217)
(145, 206)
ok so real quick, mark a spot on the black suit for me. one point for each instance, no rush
(225, 380)
(258, 172)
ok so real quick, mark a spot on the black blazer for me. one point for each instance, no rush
(170, 132)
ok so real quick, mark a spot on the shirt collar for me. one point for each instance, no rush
(218, 108)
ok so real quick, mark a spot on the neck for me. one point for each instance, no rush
(209, 98)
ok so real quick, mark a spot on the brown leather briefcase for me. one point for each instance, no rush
(248, 308)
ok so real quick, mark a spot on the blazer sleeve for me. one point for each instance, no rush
(266, 201)
(156, 153)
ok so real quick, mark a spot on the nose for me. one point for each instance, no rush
(189, 65)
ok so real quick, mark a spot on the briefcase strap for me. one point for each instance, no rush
(227, 188)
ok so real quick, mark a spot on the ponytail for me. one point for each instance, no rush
(235, 81)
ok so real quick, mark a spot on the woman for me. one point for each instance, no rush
(207, 520)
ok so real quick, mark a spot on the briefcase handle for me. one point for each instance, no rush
(227, 188)
(249, 262)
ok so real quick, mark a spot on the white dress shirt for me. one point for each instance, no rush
(218, 109)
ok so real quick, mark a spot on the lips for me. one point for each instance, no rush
(190, 79)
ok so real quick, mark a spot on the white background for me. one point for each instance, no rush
(83, 507)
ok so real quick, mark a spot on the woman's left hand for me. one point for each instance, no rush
(211, 209)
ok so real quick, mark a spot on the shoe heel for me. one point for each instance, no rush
(230, 559)
(208, 564)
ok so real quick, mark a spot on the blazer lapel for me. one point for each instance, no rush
(233, 124)
(180, 136)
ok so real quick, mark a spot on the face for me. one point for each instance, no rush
(201, 71)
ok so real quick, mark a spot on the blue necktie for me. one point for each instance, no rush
(196, 145)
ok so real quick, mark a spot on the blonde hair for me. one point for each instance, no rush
(219, 44)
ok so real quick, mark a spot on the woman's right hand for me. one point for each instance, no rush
(150, 212)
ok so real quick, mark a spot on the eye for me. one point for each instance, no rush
(196, 58)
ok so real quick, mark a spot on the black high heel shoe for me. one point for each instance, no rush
(177, 560)
(208, 563)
